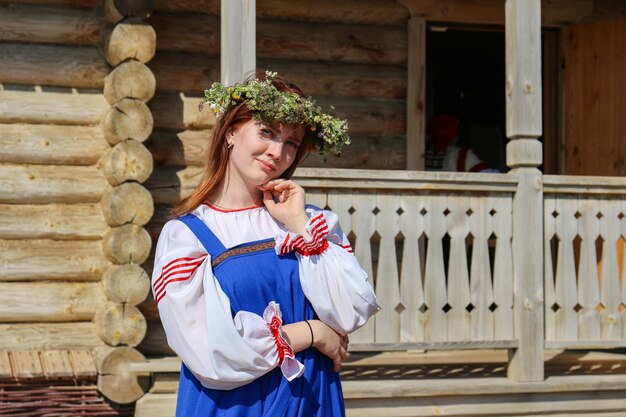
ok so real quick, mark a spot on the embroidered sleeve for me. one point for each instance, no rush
(317, 227)
(331, 277)
(289, 365)
(223, 352)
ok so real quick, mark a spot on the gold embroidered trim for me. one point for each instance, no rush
(257, 247)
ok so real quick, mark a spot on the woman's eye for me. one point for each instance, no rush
(293, 144)
(266, 132)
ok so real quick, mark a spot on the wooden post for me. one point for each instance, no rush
(238, 40)
(416, 91)
(524, 155)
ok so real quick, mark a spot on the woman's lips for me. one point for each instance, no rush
(267, 166)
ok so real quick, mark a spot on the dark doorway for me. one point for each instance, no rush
(465, 77)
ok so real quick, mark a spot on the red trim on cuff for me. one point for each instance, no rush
(283, 348)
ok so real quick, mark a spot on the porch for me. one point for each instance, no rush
(464, 321)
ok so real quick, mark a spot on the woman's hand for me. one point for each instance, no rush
(330, 343)
(289, 205)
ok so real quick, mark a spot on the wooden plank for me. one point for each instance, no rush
(56, 302)
(49, 336)
(566, 292)
(553, 13)
(593, 103)
(25, 23)
(503, 266)
(40, 184)
(610, 288)
(387, 283)
(51, 144)
(51, 108)
(26, 364)
(408, 388)
(28, 260)
(156, 405)
(575, 184)
(350, 11)
(179, 111)
(458, 283)
(56, 364)
(52, 221)
(55, 65)
(363, 227)
(416, 94)
(82, 363)
(6, 371)
(237, 40)
(550, 265)
(481, 290)
(302, 41)
(588, 283)
(435, 295)
(411, 288)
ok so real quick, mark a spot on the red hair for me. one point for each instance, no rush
(217, 160)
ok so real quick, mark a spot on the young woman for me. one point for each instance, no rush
(257, 292)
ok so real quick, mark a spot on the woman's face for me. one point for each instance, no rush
(262, 152)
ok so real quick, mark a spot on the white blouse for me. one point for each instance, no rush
(225, 352)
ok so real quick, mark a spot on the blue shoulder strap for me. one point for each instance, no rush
(208, 239)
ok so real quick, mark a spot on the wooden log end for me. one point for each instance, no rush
(127, 244)
(116, 380)
(127, 203)
(131, 79)
(120, 324)
(127, 161)
(128, 119)
(126, 284)
(130, 38)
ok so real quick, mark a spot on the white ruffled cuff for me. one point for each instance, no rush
(316, 226)
(289, 365)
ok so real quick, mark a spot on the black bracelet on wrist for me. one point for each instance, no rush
(312, 337)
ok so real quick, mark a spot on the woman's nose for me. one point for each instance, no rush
(275, 149)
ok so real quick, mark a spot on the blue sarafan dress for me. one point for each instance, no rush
(225, 280)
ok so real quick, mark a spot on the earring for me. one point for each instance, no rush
(229, 146)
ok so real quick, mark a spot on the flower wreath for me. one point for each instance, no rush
(268, 104)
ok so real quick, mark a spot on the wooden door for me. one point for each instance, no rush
(595, 98)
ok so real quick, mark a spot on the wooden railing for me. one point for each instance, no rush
(584, 230)
(438, 249)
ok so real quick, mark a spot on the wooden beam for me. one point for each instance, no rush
(387, 12)
(39, 184)
(52, 260)
(288, 40)
(52, 221)
(238, 40)
(57, 65)
(524, 126)
(51, 108)
(67, 26)
(554, 12)
(56, 302)
(51, 144)
(416, 93)
(43, 336)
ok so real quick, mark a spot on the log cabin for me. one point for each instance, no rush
(502, 294)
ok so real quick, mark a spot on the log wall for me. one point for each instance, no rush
(52, 73)
(73, 116)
